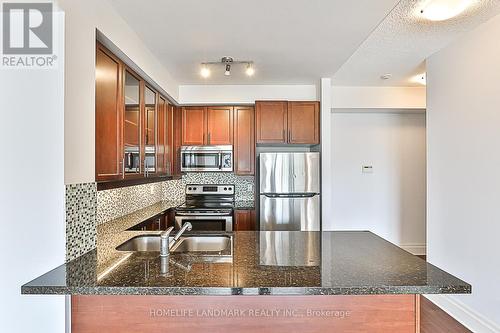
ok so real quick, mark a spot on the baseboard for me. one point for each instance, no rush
(465, 315)
(416, 249)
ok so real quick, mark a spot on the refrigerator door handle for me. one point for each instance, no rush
(290, 195)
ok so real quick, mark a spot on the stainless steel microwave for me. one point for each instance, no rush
(207, 158)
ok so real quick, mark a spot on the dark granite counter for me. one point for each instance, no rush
(258, 263)
(244, 204)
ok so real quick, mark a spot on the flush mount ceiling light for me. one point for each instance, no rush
(385, 76)
(440, 10)
(228, 63)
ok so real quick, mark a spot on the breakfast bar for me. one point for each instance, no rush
(349, 281)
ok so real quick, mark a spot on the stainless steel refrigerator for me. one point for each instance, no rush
(289, 191)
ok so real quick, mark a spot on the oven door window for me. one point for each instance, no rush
(200, 160)
(206, 225)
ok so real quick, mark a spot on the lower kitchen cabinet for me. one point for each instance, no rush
(244, 220)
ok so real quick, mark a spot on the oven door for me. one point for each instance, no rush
(205, 222)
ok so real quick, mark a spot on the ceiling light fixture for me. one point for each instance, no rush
(228, 70)
(386, 76)
(205, 71)
(250, 71)
(440, 10)
(228, 63)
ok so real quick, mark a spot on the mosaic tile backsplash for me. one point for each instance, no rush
(244, 185)
(81, 205)
(86, 208)
(115, 203)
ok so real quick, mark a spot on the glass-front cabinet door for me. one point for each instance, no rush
(150, 131)
(132, 125)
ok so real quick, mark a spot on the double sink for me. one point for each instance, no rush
(206, 244)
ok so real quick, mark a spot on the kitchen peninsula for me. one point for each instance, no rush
(261, 281)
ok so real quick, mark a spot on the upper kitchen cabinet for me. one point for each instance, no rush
(219, 125)
(162, 143)
(150, 131)
(193, 126)
(271, 117)
(108, 116)
(132, 124)
(177, 140)
(244, 140)
(303, 122)
(281, 122)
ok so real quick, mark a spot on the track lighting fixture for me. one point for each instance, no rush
(228, 63)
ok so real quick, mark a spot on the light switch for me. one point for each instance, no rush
(367, 169)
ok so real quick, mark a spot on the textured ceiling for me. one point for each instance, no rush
(402, 42)
(291, 41)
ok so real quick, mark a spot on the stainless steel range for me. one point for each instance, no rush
(207, 208)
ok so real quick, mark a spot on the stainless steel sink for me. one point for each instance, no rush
(147, 243)
(143, 243)
(202, 244)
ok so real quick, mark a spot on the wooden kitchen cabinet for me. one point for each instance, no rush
(271, 119)
(108, 116)
(244, 140)
(177, 138)
(207, 125)
(194, 126)
(134, 125)
(281, 122)
(303, 122)
(219, 125)
(170, 152)
(162, 141)
(244, 220)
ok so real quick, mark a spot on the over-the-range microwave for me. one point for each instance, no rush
(207, 158)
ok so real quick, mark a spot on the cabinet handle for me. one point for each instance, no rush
(284, 135)
(123, 167)
(208, 138)
(289, 136)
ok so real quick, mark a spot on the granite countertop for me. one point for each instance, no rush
(257, 263)
(244, 204)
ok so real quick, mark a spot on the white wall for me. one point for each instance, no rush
(206, 94)
(82, 19)
(390, 201)
(378, 97)
(463, 110)
(32, 239)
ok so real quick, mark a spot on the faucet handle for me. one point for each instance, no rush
(166, 233)
(164, 243)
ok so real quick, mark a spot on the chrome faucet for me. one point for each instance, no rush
(165, 245)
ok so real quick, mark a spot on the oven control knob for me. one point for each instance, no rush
(189, 188)
(225, 188)
(194, 188)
